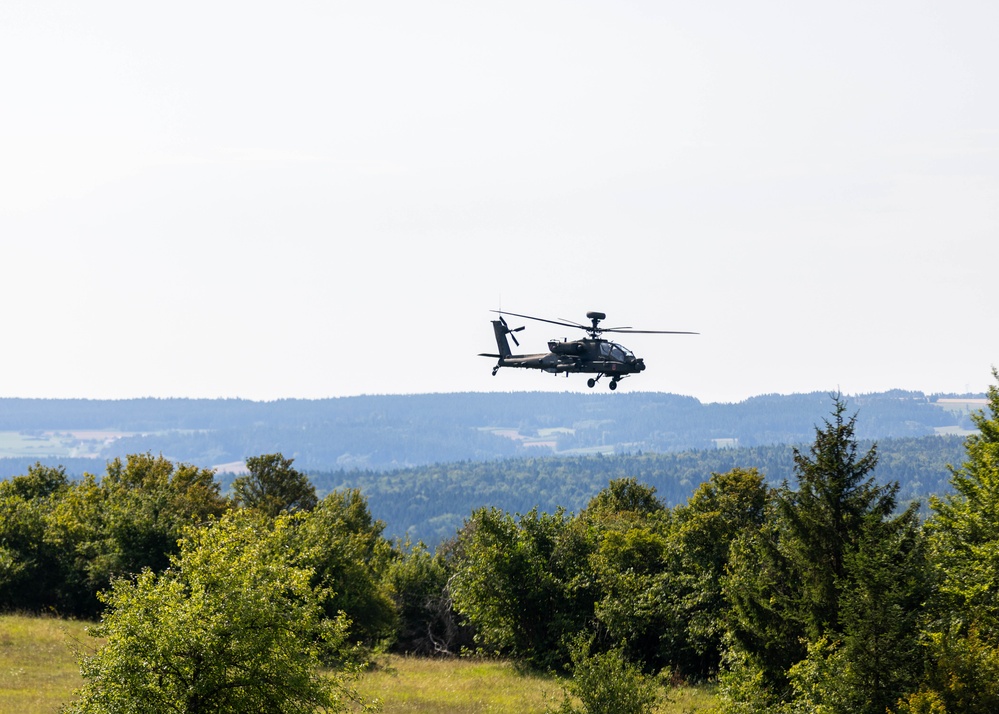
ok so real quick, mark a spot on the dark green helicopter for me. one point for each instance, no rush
(590, 355)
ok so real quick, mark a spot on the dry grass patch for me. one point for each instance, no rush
(692, 700)
(38, 662)
(410, 685)
(407, 685)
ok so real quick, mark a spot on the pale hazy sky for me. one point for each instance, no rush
(313, 199)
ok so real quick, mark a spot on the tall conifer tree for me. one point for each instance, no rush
(824, 518)
(825, 598)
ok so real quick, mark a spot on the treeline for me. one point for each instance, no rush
(821, 593)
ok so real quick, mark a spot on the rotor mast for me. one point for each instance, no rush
(596, 317)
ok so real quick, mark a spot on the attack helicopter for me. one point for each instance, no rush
(591, 354)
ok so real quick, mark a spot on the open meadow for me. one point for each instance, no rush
(39, 672)
(38, 662)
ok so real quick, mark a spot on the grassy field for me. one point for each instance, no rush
(39, 672)
(38, 662)
(408, 685)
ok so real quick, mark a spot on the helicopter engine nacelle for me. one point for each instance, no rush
(566, 348)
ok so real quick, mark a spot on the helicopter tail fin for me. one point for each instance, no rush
(502, 344)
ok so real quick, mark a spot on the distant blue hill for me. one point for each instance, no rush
(381, 433)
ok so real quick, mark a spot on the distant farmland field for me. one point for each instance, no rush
(69, 444)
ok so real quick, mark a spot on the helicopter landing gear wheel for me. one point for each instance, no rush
(495, 370)
(613, 385)
(591, 383)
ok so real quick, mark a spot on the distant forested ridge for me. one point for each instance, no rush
(388, 432)
(431, 502)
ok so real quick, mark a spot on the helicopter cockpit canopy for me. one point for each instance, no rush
(614, 351)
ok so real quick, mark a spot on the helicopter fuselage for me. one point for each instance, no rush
(585, 356)
(595, 356)
(590, 355)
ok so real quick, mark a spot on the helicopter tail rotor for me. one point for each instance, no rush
(510, 332)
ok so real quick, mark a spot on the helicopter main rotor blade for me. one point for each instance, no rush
(595, 330)
(541, 319)
(648, 332)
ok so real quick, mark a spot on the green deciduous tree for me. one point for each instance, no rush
(273, 486)
(657, 572)
(41, 482)
(128, 520)
(965, 526)
(65, 540)
(149, 501)
(624, 498)
(606, 683)
(962, 676)
(30, 564)
(344, 547)
(233, 626)
(963, 635)
(427, 622)
(721, 509)
(629, 528)
(522, 583)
